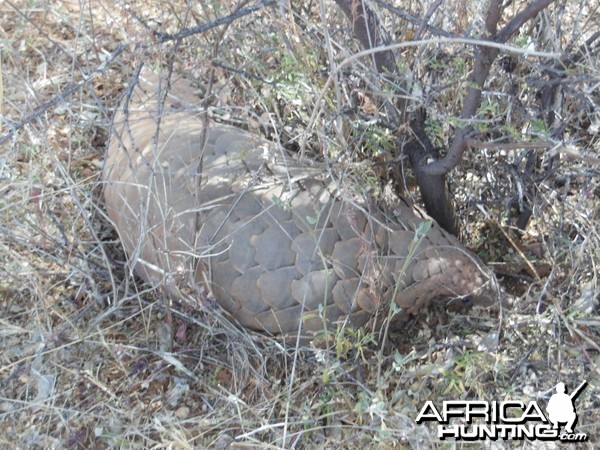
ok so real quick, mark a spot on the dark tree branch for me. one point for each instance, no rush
(368, 29)
(483, 63)
(519, 20)
(432, 185)
(415, 20)
(241, 12)
(550, 104)
(435, 5)
(429, 170)
(434, 189)
(558, 72)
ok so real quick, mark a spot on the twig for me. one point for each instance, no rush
(243, 73)
(425, 22)
(474, 143)
(226, 20)
(517, 22)
(165, 37)
(566, 149)
(530, 268)
(416, 20)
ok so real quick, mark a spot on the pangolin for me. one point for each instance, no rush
(285, 248)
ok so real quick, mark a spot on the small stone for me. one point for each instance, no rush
(183, 412)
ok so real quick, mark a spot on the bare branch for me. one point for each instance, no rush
(165, 37)
(435, 5)
(434, 188)
(371, 33)
(569, 150)
(162, 37)
(557, 73)
(415, 20)
(483, 62)
(517, 22)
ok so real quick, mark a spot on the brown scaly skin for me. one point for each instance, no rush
(284, 250)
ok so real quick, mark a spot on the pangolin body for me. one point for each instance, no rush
(283, 248)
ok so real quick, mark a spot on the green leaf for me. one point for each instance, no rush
(423, 229)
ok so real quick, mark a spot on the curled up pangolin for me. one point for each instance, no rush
(283, 248)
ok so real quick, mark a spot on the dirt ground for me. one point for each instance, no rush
(82, 349)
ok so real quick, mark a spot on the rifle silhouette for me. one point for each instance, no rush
(577, 391)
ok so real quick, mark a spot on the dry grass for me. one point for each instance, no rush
(82, 360)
